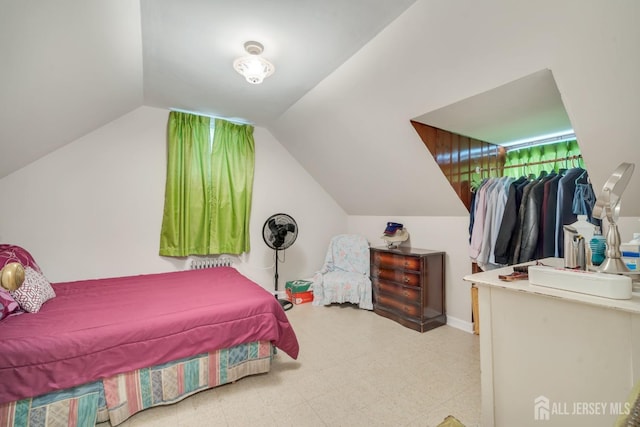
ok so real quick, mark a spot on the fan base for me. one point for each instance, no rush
(286, 305)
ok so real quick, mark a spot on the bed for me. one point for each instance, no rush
(105, 349)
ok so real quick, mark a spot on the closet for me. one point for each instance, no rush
(518, 215)
(471, 164)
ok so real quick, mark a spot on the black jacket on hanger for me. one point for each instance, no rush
(564, 210)
(549, 218)
(503, 249)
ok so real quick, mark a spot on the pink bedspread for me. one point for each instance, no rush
(98, 328)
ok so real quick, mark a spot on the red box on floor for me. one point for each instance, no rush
(299, 297)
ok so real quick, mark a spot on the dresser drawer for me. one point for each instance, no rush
(409, 294)
(396, 261)
(399, 306)
(399, 276)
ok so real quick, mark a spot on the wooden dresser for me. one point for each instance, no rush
(408, 286)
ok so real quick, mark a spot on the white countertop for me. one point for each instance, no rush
(490, 278)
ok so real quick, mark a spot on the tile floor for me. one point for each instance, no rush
(355, 369)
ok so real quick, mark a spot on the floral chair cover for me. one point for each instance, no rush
(344, 277)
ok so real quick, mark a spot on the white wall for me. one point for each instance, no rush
(626, 225)
(282, 185)
(448, 234)
(94, 207)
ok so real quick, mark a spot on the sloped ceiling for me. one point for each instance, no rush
(67, 68)
(525, 108)
(71, 66)
(189, 47)
(349, 77)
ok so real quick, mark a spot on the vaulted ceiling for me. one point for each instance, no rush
(350, 75)
(71, 66)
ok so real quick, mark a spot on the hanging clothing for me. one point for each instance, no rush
(532, 221)
(543, 213)
(583, 199)
(564, 208)
(517, 238)
(519, 220)
(472, 208)
(478, 223)
(503, 250)
(496, 196)
(549, 220)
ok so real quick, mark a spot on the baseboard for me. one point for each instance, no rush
(460, 324)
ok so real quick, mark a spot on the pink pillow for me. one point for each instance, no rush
(13, 253)
(7, 304)
(34, 292)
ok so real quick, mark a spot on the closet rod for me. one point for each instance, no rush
(562, 159)
(479, 170)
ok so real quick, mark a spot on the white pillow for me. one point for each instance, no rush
(34, 292)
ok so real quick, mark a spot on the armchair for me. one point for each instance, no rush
(344, 277)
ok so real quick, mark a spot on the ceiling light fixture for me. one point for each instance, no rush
(253, 67)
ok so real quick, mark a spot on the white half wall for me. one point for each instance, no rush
(94, 207)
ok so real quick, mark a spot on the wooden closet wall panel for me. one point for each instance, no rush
(461, 159)
(464, 158)
(443, 152)
(455, 162)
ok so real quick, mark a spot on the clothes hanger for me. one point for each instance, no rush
(584, 171)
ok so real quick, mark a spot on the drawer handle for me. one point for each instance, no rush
(405, 293)
(405, 308)
(406, 279)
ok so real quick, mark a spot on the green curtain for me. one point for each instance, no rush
(233, 162)
(185, 221)
(556, 156)
(208, 190)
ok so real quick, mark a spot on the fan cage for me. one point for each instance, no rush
(280, 231)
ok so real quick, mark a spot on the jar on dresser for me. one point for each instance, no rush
(409, 286)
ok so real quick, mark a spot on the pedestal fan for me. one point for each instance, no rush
(279, 232)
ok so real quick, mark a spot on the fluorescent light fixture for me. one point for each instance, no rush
(253, 67)
(551, 138)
